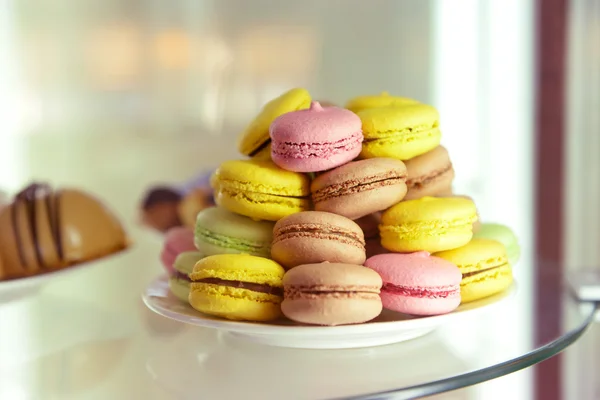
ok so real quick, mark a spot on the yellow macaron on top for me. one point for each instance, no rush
(431, 209)
(239, 268)
(477, 255)
(255, 139)
(375, 101)
(390, 121)
(260, 176)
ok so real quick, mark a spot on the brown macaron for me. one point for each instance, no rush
(315, 236)
(359, 188)
(430, 174)
(331, 294)
(370, 227)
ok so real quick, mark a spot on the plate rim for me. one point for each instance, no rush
(257, 328)
(38, 279)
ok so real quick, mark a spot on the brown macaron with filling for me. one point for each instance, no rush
(359, 188)
(315, 236)
(430, 174)
(331, 294)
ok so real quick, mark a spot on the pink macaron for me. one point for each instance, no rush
(417, 283)
(177, 240)
(316, 139)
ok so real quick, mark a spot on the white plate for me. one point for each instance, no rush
(15, 289)
(389, 327)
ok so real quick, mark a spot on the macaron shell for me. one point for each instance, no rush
(428, 224)
(260, 190)
(185, 262)
(359, 188)
(316, 139)
(180, 288)
(502, 234)
(219, 231)
(478, 254)
(314, 237)
(375, 101)
(418, 269)
(430, 174)
(261, 206)
(342, 276)
(260, 176)
(234, 303)
(239, 267)
(399, 132)
(331, 311)
(177, 240)
(257, 133)
(486, 284)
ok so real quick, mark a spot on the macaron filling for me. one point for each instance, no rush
(312, 150)
(318, 231)
(260, 148)
(255, 287)
(312, 292)
(181, 276)
(356, 186)
(440, 292)
(243, 245)
(420, 181)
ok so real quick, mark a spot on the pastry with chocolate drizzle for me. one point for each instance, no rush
(44, 230)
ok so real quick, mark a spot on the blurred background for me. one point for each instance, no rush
(114, 96)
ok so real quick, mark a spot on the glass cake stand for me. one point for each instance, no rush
(76, 340)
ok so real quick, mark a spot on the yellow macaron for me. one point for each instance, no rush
(259, 189)
(255, 140)
(428, 224)
(484, 266)
(401, 132)
(375, 101)
(237, 287)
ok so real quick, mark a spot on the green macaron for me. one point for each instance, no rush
(502, 234)
(179, 282)
(219, 231)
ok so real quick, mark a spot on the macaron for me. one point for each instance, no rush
(477, 223)
(219, 231)
(484, 266)
(428, 224)
(255, 140)
(370, 227)
(177, 240)
(331, 294)
(259, 189)
(179, 281)
(417, 283)
(430, 174)
(315, 236)
(402, 132)
(316, 139)
(503, 234)
(237, 287)
(359, 188)
(376, 101)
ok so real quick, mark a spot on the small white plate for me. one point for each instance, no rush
(389, 327)
(15, 289)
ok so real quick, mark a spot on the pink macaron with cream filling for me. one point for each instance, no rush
(177, 240)
(417, 283)
(317, 139)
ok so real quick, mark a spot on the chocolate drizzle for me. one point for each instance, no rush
(28, 198)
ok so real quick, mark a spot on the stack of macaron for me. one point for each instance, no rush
(338, 213)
